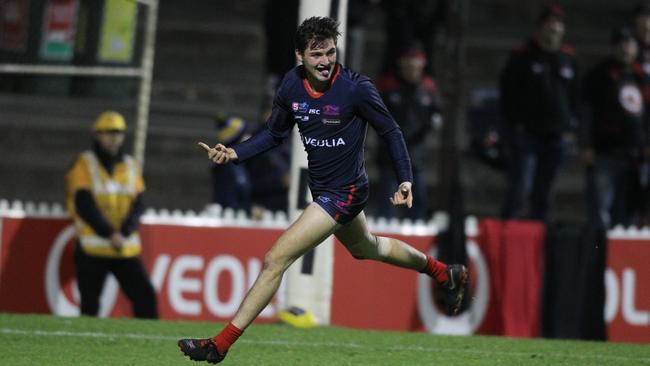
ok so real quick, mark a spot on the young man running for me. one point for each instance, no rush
(332, 107)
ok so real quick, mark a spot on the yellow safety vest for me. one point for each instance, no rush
(114, 195)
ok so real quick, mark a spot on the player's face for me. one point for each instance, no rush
(319, 60)
(110, 141)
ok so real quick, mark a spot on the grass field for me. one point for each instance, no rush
(48, 340)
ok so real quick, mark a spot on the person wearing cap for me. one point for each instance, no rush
(538, 90)
(231, 184)
(104, 190)
(615, 132)
(412, 97)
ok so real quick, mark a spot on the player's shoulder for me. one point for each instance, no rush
(291, 78)
(352, 77)
(354, 82)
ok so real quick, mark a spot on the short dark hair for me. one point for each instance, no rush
(551, 11)
(315, 30)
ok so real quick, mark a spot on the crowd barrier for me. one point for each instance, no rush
(201, 265)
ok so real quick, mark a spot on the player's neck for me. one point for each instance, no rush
(318, 86)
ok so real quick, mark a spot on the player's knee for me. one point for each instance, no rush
(372, 247)
(274, 264)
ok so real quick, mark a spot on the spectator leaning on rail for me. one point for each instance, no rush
(104, 196)
(538, 101)
(615, 131)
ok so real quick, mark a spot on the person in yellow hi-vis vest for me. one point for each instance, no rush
(104, 197)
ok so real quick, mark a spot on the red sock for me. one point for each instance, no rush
(436, 269)
(227, 337)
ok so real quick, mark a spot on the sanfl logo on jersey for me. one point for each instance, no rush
(300, 107)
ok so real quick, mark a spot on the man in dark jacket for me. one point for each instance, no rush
(538, 100)
(412, 97)
(615, 126)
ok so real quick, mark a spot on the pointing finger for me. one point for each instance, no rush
(204, 146)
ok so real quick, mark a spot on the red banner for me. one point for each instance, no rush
(198, 272)
(627, 280)
(203, 273)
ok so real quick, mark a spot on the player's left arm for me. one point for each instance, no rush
(372, 109)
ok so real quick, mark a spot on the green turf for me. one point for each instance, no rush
(48, 340)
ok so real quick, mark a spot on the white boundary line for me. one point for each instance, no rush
(47, 333)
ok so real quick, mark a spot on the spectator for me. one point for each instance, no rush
(616, 96)
(412, 19)
(538, 102)
(270, 174)
(413, 100)
(231, 184)
(104, 196)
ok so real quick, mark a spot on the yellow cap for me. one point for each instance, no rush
(231, 131)
(109, 121)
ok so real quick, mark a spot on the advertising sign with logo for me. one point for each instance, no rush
(14, 15)
(198, 273)
(203, 273)
(627, 283)
(59, 25)
(118, 31)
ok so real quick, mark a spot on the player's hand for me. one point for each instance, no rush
(403, 196)
(117, 241)
(219, 153)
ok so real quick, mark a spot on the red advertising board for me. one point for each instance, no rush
(198, 272)
(373, 295)
(627, 280)
(202, 273)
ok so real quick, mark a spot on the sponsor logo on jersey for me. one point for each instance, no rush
(324, 199)
(329, 121)
(309, 141)
(314, 111)
(300, 107)
(301, 118)
(331, 110)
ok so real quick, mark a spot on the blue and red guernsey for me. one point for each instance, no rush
(332, 127)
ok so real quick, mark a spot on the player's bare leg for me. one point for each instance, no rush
(358, 240)
(308, 231)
